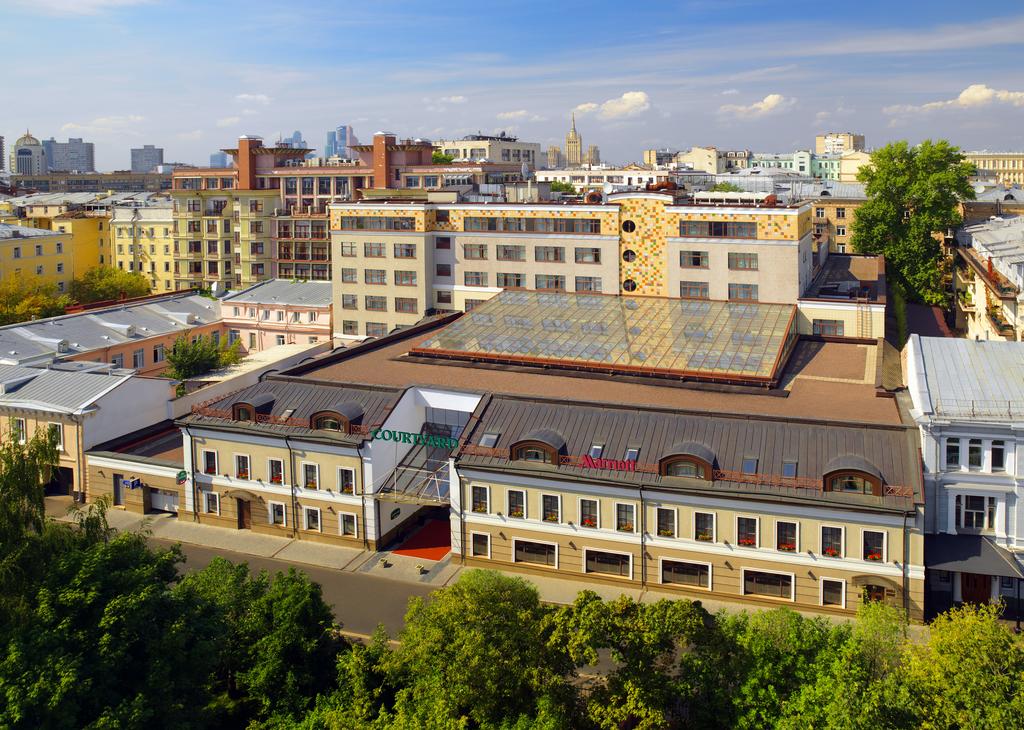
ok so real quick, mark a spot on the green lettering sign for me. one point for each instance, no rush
(408, 437)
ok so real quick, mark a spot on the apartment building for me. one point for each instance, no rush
(835, 207)
(120, 181)
(820, 166)
(598, 177)
(142, 240)
(966, 399)
(713, 160)
(279, 312)
(74, 155)
(1006, 167)
(989, 279)
(495, 148)
(838, 143)
(37, 254)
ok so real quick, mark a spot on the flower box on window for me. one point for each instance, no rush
(311, 484)
(588, 522)
(666, 533)
(748, 542)
(551, 518)
(704, 536)
(874, 556)
(243, 475)
(515, 513)
(831, 552)
(276, 479)
(625, 527)
(787, 547)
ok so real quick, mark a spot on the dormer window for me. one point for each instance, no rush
(852, 475)
(689, 460)
(340, 417)
(328, 422)
(596, 451)
(683, 466)
(243, 412)
(542, 445)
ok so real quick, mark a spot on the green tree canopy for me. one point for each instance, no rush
(913, 193)
(23, 299)
(440, 158)
(189, 359)
(557, 186)
(105, 283)
(726, 187)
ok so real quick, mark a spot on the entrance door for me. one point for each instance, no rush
(244, 514)
(118, 498)
(975, 588)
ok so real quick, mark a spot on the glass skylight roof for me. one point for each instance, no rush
(709, 339)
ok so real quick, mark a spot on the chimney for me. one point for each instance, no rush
(246, 164)
(382, 159)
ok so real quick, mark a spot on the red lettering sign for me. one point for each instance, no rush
(588, 462)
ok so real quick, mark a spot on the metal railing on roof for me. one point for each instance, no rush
(979, 408)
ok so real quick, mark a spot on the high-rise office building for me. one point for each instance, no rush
(3, 157)
(147, 158)
(28, 156)
(340, 142)
(219, 159)
(573, 146)
(71, 156)
(593, 156)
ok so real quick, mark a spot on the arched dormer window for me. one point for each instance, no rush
(243, 412)
(340, 417)
(543, 446)
(852, 475)
(248, 410)
(688, 460)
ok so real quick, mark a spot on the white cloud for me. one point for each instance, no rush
(228, 121)
(521, 114)
(75, 7)
(104, 125)
(771, 104)
(253, 98)
(730, 92)
(974, 96)
(454, 99)
(249, 112)
(629, 104)
(192, 136)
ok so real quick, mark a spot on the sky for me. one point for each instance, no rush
(192, 76)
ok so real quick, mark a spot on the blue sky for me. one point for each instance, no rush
(191, 76)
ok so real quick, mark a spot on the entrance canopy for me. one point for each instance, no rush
(969, 554)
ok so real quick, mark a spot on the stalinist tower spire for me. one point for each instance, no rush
(573, 146)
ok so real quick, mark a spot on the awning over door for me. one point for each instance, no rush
(969, 554)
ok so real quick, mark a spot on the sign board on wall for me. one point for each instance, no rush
(407, 437)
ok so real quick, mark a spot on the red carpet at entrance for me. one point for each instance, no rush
(431, 542)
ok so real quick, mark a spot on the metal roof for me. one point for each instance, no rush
(972, 378)
(285, 291)
(10, 231)
(726, 442)
(57, 390)
(969, 554)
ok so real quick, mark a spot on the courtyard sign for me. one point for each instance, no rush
(407, 437)
(588, 462)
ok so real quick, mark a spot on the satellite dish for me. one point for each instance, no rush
(525, 170)
(608, 188)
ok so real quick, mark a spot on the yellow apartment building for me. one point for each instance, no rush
(143, 241)
(39, 254)
(1006, 167)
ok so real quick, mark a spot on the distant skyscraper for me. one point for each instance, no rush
(28, 156)
(147, 158)
(71, 156)
(219, 159)
(340, 142)
(573, 146)
(554, 157)
(593, 156)
(3, 157)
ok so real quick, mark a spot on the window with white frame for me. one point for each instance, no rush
(704, 526)
(311, 476)
(764, 583)
(666, 522)
(975, 457)
(952, 453)
(998, 455)
(833, 592)
(348, 524)
(538, 553)
(685, 573)
(212, 503)
(57, 431)
(874, 546)
(746, 532)
(831, 541)
(311, 518)
(209, 462)
(18, 429)
(242, 466)
(551, 508)
(277, 514)
(600, 561)
(517, 503)
(625, 518)
(589, 515)
(786, 536)
(481, 499)
(975, 512)
(346, 480)
(480, 545)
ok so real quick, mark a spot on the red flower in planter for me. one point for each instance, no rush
(747, 541)
(874, 556)
(787, 546)
(588, 522)
(831, 552)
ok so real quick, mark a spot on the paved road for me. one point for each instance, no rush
(360, 601)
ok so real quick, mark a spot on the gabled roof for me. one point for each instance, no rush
(55, 390)
(286, 292)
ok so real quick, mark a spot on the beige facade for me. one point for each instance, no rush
(838, 143)
(142, 240)
(1006, 167)
(713, 160)
(573, 146)
(495, 149)
(833, 222)
(850, 164)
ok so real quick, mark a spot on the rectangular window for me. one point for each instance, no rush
(974, 512)
(694, 290)
(349, 301)
(57, 433)
(349, 327)
(773, 585)
(405, 278)
(819, 212)
(442, 243)
(480, 545)
(348, 525)
(588, 255)
(517, 503)
(588, 284)
(746, 531)
(589, 516)
(743, 292)
(474, 251)
(789, 469)
(348, 248)
(475, 278)
(666, 522)
(743, 261)
(349, 276)
(138, 358)
(874, 546)
(405, 250)
(998, 456)
(840, 230)
(952, 453)
(212, 503)
(275, 471)
(786, 536)
(443, 269)
(375, 276)
(311, 518)
(311, 476)
(693, 259)
(538, 553)
(549, 254)
(549, 282)
(376, 329)
(828, 327)
(511, 252)
(444, 297)
(241, 466)
(974, 454)
(481, 500)
(717, 229)
(833, 592)
(832, 541)
(375, 304)
(209, 462)
(551, 508)
(624, 518)
(346, 480)
(840, 213)
(374, 250)
(511, 281)
(598, 561)
(704, 526)
(687, 574)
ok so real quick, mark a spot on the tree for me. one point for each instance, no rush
(106, 283)
(439, 158)
(557, 186)
(22, 299)
(726, 187)
(913, 192)
(188, 359)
